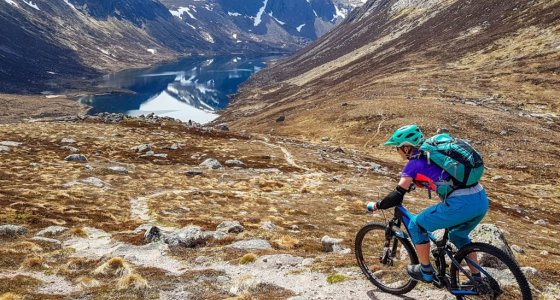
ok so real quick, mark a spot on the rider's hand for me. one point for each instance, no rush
(372, 206)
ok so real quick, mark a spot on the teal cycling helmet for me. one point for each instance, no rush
(406, 135)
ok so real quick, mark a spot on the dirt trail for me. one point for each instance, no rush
(287, 155)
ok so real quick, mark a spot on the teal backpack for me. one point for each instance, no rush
(457, 157)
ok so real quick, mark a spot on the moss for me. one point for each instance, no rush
(334, 278)
(16, 217)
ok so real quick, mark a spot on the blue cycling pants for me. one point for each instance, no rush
(460, 212)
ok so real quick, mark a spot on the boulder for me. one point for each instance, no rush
(541, 222)
(51, 231)
(4, 149)
(211, 163)
(70, 148)
(234, 163)
(251, 245)
(230, 227)
(517, 249)
(279, 260)
(189, 237)
(118, 169)
(142, 148)
(339, 150)
(333, 245)
(67, 141)
(529, 271)
(268, 225)
(193, 172)
(153, 234)
(11, 230)
(172, 147)
(76, 157)
(281, 119)
(490, 234)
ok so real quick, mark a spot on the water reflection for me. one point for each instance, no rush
(190, 89)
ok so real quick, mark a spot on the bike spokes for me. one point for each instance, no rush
(500, 277)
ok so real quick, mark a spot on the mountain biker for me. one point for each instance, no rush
(459, 211)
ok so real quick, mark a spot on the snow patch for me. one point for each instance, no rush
(12, 3)
(69, 4)
(258, 19)
(179, 12)
(339, 13)
(31, 4)
(234, 36)
(300, 27)
(279, 22)
(191, 26)
(152, 51)
(233, 14)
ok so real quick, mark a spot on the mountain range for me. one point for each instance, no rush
(51, 44)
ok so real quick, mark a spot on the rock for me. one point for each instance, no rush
(10, 144)
(148, 154)
(497, 178)
(142, 148)
(529, 271)
(268, 225)
(280, 119)
(222, 127)
(193, 172)
(491, 234)
(189, 237)
(70, 148)
(93, 181)
(344, 104)
(234, 163)
(118, 169)
(332, 245)
(230, 227)
(211, 163)
(544, 253)
(4, 149)
(172, 147)
(294, 228)
(76, 157)
(541, 222)
(517, 249)
(11, 230)
(51, 231)
(160, 155)
(251, 245)
(67, 141)
(442, 130)
(43, 241)
(279, 260)
(339, 150)
(153, 234)
(325, 139)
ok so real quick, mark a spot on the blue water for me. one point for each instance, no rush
(193, 88)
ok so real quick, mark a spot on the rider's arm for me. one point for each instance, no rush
(395, 197)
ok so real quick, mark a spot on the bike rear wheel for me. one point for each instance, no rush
(501, 276)
(389, 275)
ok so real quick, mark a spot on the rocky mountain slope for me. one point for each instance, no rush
(237, 215)
(500, 56)
(47, 40)
(46, 44)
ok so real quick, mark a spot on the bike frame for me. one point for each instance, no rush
(441, 278)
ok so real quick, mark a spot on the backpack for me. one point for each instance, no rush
(455, 156)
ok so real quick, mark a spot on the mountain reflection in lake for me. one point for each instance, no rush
(190, 89)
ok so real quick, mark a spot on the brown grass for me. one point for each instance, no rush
(132, 281)
(115, 266)
(34, 262)
(10, 296)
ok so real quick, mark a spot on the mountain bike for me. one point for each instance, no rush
(383, 251)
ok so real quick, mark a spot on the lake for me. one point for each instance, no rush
(193, 88)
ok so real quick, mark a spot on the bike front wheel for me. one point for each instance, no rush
(501, 277)
(383, 258)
